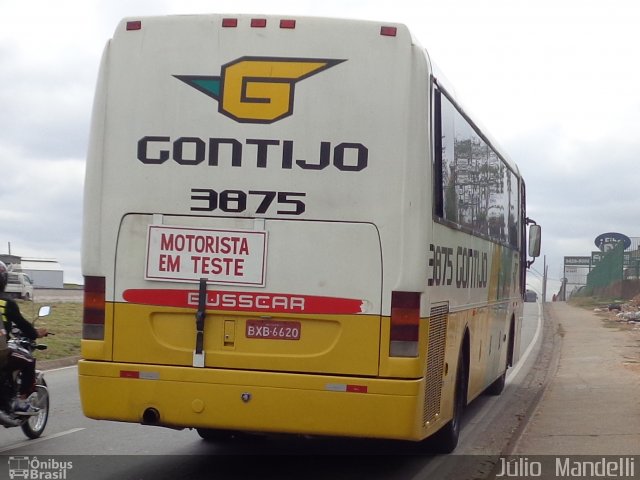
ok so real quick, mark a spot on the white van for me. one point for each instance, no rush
(19, 285)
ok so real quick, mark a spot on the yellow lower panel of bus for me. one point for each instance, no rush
(330, 344)
(253, 401)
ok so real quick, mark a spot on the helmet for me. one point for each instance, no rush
(4, 276)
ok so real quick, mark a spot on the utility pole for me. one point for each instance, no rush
(544, 280)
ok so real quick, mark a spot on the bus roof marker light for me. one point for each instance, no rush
(258, 22)
(134, 25)
(229, 22)
(289, 23)
(386, 31)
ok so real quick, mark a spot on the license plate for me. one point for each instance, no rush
(272, 330)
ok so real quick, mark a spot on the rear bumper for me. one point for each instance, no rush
(253, 401)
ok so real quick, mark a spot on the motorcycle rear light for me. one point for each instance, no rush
(94, 305)
(405, 324)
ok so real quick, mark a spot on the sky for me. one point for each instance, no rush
(555, 82)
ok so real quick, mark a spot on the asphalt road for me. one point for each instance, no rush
(110, 450)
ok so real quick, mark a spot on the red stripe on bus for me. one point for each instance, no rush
(246, 301)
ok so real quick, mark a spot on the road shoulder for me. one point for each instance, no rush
(590, 404)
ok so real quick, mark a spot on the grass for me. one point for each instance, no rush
(592, 302)
(583, 302)
(65, 321)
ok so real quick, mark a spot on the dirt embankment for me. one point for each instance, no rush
(625, 316)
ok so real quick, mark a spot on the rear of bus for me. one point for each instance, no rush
(252, 208)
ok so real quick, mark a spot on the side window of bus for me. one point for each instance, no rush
(474, 187)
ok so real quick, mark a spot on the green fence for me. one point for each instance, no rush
(608, 271)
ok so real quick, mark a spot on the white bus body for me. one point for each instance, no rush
(289, 163)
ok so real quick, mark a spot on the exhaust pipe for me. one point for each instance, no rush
(151, 416)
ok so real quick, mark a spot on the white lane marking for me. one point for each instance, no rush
(514, 371)
(60, 368)
(39, 440)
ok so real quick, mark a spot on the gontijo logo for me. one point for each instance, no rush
(258, 89)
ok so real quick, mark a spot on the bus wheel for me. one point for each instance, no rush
(214, 435)
(445, 440)
(497, 386)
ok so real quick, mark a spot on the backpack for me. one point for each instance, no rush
(4, 345)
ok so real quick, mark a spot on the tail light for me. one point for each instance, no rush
(405, 324)
(93, 315)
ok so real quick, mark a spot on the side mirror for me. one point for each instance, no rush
(535, 237)
(44, 311)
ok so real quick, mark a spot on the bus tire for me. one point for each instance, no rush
(214, 434)
(445, 440)
(497, 386)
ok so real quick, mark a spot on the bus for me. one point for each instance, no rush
(292, 226)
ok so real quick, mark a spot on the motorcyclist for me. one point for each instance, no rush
(19, 360)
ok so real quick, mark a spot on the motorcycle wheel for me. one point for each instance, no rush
(34, 426)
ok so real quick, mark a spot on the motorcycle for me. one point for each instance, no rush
(32, 425)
